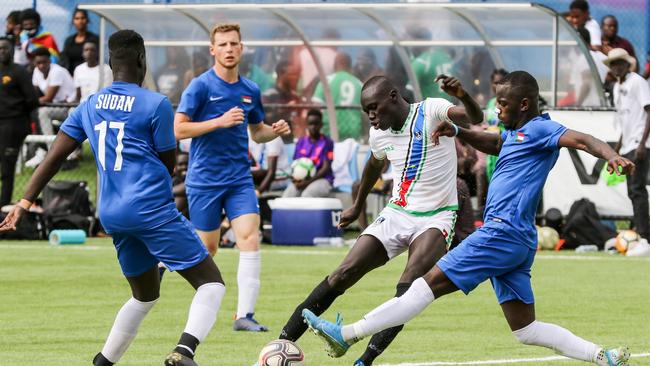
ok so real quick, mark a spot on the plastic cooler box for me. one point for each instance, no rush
(297, 221)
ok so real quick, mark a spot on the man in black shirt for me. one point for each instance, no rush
(17, 99)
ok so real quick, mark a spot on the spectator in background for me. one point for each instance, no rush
(464, 225)
(252, 71)
(383, 186)
(365, 66)
(12, 20)
(178, 184)
(73, 47)
(326, 55)
(580, 18)
(399, 76)
(12, 30)
(87, 75)
(272, 170)
(611, 39)
(345, 89)
(632, 102)
(284, 92)
(320, 149)
(33, 36)
(583, 89)
(429, 63)
(55, 85)
(200, 64)
(171, 76)
(17, 100)
(493, 123)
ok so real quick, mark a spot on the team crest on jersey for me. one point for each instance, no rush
(379, 220)
(418, 135)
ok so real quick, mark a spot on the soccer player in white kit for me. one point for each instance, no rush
(421, 213)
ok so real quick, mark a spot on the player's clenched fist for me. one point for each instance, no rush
(281, 128)
(235, 116)
(451, 85)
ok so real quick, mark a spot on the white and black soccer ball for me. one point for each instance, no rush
(302, 169)
(281, 352)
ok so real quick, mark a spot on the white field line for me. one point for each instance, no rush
(299, 252)
(496, 362)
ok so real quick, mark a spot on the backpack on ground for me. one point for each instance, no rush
(583, 226)
(30, 227)
(66, 205)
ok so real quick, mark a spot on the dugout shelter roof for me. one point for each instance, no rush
(477, 37)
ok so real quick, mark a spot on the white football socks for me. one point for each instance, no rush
(392, 313)
(125, 328)
(248, 282)
(558, 339)
(204, 309)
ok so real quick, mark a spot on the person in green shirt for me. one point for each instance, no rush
(346, 91)
(426, 66)
(252, 71)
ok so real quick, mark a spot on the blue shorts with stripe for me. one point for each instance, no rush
(491, 253)
(175, 244)
(206, 205)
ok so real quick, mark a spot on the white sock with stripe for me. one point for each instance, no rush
(204, 309)
(392, 313)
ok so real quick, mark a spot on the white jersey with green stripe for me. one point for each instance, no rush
(424, 175)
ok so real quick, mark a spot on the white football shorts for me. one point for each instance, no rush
(396, 230)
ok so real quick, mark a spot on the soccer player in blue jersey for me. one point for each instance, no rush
(215, 111)
(503, 249)
(130, 130)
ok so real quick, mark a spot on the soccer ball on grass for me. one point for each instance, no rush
(547, 238)
(625, 240)
(281, 352)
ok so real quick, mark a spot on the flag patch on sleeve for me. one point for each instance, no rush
(520, 137)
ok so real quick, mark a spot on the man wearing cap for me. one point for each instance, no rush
(632, 102)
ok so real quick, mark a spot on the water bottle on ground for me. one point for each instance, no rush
(587, 248)
(329, 241)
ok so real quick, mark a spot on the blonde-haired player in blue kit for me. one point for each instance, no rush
(504, 248)
(130, 130)
(216, 110)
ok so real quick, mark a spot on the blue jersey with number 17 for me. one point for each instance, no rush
(127, 126)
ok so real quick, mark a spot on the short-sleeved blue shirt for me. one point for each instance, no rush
(527, 156)
(127, 126)
(220, 158)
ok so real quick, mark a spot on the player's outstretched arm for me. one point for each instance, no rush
(262, 132)
(470, 112)
(185, 128)
(488, 143)
(63, 146)
(369, 177)
(581, 141)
